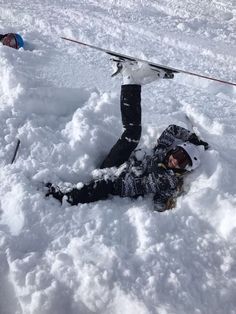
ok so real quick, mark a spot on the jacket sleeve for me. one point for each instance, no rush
(170, 134)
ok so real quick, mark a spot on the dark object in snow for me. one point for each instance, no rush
(16, 150)
(54, 191)
(194, 139)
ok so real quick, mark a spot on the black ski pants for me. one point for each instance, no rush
(130, 105)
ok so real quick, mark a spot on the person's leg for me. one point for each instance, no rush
(94, 191)
(130, 102)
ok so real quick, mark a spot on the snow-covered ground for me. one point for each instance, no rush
(114, 256)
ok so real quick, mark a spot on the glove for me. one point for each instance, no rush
(54, 191)
(194, 139)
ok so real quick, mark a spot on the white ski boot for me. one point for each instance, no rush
(139, 73)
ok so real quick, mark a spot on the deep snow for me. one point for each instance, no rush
(114, 256)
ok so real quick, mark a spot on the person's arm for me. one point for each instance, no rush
(170, 134)
(173, 132)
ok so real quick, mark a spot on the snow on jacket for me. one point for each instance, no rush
(150, 175)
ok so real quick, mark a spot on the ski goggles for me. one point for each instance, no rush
(182, 157)
(10, 41)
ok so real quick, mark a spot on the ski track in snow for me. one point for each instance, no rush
(114, 256)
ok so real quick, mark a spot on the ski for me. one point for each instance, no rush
(167, 69)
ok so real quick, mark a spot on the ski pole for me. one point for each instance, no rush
(16, 150)
(190, 122)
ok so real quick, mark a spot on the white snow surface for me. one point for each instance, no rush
(115, 256)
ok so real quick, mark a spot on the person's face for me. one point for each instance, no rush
(178, 159)
(173, 163)
(9, 41)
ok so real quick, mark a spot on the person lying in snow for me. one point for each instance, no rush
(161, 174)
(12, 40)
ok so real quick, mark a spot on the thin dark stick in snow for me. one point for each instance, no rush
(16, 150)
(190, 122)
(191, 126)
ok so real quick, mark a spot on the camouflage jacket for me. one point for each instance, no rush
(149, 175)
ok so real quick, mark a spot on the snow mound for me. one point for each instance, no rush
(58, 99)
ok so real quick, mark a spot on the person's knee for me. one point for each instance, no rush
(132, 133)
(138, 132)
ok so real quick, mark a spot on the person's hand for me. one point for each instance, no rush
(194, 139)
